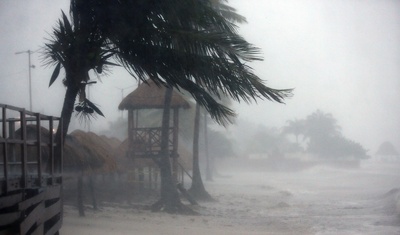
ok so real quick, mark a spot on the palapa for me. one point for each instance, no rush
(88, 152)
(149, 95)
(31, 136)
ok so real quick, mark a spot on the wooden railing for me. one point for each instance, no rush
(146, 142)
(30, 172)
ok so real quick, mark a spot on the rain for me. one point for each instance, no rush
(341, 58)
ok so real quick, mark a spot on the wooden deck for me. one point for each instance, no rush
(30, 173)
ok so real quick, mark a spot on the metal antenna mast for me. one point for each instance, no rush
(29, 52)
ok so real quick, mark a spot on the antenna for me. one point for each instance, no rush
(29, 52)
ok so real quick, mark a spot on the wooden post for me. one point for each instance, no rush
(39, 149)
(150, 177)
(130, 130)
(61, 153)
(175, 144)
(52, 163)
(24, 155)
(5, 145)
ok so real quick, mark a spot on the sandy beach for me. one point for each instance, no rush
(320, 200)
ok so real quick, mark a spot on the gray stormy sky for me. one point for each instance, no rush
(341, 56)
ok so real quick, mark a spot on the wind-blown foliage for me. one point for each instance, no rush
(182, 43)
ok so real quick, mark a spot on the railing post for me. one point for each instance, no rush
(61, 154)
(51, 148)
(5, 145)
(24, 154)
(39, 148)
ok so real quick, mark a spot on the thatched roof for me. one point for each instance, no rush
(151, 96)
(89, 152)
(31, 133)
(111, 141)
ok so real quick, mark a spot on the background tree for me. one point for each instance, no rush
(387, 148)
(220, 146)
(325, 137)
(320, 125)
(295, 127)
(266, 142)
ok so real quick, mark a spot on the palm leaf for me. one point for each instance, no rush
(55, 74)
(94, 107)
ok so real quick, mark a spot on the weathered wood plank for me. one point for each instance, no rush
(34, 217)
(55, 228)
(7, 201)
(39, 230)
(31, 201)
(9, 218)
(53, 192)
(52, 210)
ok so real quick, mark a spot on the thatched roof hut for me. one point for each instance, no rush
(111, 141)
(88, 152)
(151, 96)
(144, 143)
(31, 135)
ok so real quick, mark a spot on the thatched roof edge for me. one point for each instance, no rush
(151, 96)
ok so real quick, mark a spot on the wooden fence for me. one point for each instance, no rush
(30, 173)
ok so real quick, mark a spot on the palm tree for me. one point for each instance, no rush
(197, 188)
(169, 200)
(185, 44)
(295, 127)
(320, 125)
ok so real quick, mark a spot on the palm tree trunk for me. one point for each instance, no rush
(197, 189)
(209, 162)
(67, 110)
(66, 113)
(170, 201)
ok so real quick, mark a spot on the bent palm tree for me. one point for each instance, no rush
(185, 44)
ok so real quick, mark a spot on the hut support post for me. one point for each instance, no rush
(175, 144)
(141, 178)
(130, 131)
(150, 177)
(92, 191)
